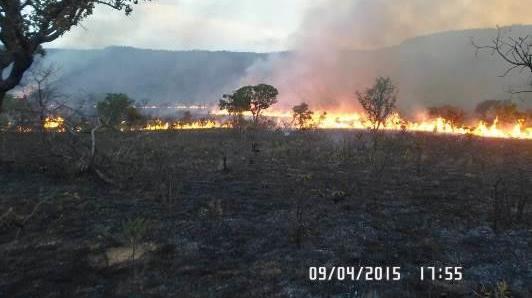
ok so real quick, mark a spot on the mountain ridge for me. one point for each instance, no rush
(202, 76)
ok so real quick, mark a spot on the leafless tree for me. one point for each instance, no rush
(515, 51)
(41, 92)
(453, 115)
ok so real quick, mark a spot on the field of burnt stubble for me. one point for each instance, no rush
(222, 213)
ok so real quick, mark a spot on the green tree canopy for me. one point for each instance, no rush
(117, 108)
(261, 98)
(236, 103)
(254, 99)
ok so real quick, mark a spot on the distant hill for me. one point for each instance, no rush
(434, 69)
(446, 68)
(162, 76)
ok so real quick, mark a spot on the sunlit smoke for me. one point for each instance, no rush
(343, 45)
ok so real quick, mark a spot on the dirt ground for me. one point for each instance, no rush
(220, 213)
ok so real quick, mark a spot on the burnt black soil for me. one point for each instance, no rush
(282, 203)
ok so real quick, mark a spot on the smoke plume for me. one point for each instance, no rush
(343, 45)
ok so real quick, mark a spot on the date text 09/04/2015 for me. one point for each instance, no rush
(370, 273)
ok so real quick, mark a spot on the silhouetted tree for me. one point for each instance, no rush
(485, 107)
(187, 117)
(32, 108)
(254, 99)
(261, 98)
(235, 104)
(378, 101)
(516, 51)
(453, 115)
(505, 111)
(302, 115)
(27, 24)
(43, 93)
(117, 108)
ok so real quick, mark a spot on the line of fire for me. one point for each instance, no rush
(516, 125)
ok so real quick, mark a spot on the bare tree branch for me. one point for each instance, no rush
(515, 51)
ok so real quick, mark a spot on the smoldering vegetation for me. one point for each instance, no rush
(244, 214)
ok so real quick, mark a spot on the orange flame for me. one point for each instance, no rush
(54, 123)
(438, 125)
(346, 121)
(157, 125)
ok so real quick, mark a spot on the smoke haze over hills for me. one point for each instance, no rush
(436, 69)
(160, 76)
(334, 47)
(442, 68)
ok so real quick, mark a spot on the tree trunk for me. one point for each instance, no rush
(21, 63)
(2, 95)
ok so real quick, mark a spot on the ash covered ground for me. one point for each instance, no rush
(220, 213)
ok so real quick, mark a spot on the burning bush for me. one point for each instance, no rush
(451, 114)
(505, 111)
(302, 116)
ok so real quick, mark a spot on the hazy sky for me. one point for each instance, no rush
(272, 25)
(242, 25)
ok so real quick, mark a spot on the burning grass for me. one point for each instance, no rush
(348, 121)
